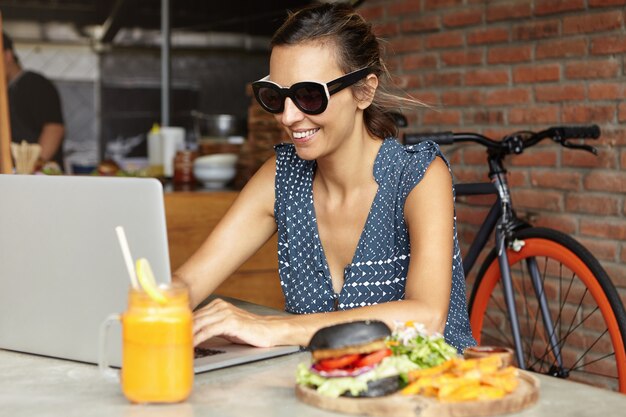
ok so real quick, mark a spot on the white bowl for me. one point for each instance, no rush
(216, 160)
(215, 171)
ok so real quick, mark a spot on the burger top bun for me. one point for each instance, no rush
(349, 334)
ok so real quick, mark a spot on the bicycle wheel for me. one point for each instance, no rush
(588, 317)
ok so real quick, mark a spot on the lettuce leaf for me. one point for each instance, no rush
(330, 387)
(421, 348)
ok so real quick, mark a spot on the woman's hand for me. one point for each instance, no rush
(221, 318)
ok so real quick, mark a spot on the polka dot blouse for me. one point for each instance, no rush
(379, 268)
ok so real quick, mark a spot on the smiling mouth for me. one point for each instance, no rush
(305, 134)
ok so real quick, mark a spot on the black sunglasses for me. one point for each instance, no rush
(309, 96)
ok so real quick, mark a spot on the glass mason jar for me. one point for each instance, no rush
(157, 346)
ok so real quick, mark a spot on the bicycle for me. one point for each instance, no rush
(572, 323)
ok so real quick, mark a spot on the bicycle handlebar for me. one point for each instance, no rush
(442, 138)
(516, 142)
(576, 132)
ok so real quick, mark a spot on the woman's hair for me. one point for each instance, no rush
(357, 47)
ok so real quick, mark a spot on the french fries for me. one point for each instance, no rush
(459, 380)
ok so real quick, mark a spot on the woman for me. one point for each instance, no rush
(365, 226)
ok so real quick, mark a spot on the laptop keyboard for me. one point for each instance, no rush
(199, 352)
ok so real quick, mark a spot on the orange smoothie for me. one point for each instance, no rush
(157, 358)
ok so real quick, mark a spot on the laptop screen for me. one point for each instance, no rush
(62, 270)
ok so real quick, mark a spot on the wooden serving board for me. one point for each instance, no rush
(526, 394)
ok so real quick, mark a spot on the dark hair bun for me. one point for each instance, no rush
(349, 334)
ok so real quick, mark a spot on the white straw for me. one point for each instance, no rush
(121, 236)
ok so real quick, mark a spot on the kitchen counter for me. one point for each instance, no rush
(37, 386)
(191, 216)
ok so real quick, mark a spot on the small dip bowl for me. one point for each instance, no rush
(477, 352)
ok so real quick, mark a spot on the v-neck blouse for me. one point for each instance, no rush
(378, 271)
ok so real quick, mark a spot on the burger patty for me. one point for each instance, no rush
(378, 388)
(320, 354)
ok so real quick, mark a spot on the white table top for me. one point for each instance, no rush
(36, 386)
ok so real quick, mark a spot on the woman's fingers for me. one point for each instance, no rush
(220, 318)
(207, 332)
(209, 320)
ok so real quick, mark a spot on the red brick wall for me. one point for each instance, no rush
(496, 67)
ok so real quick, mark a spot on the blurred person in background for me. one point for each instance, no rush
(34, 107)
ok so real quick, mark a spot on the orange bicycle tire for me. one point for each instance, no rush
(554, 245)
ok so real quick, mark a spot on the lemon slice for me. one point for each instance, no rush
(145, 276)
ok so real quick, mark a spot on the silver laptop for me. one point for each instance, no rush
(62, 271)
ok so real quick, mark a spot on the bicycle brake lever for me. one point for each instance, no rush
(583, 147)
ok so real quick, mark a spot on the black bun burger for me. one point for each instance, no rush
(347, 358)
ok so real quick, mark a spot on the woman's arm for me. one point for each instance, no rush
(245, 227)
(429, 215)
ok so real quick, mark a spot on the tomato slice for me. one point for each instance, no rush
(373, 358)
(336, 363)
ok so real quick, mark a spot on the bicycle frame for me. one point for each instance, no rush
(488, 225)
(503, 220)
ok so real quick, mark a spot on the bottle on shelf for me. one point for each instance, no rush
(155, 151)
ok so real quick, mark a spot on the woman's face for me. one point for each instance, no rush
(314, 136)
